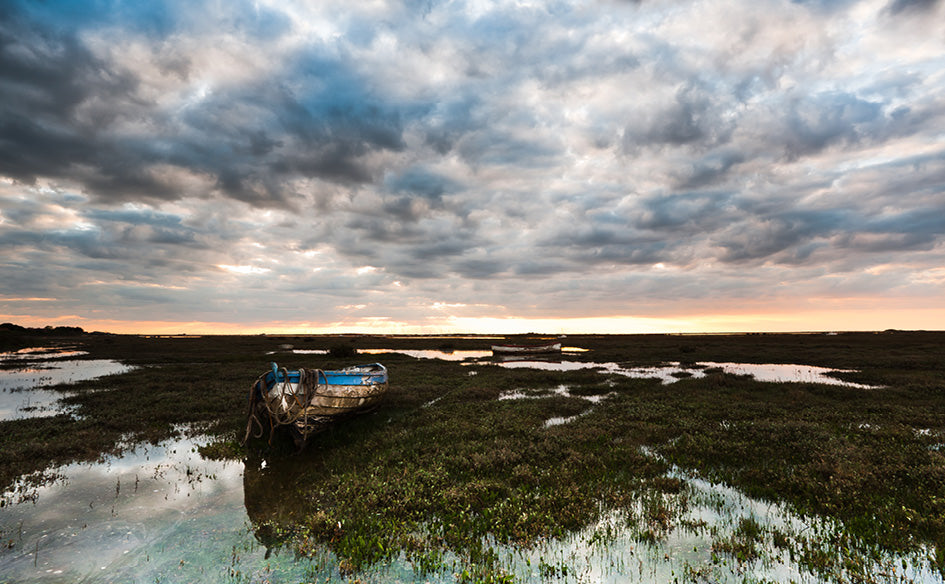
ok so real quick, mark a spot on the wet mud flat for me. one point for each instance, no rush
(643, 458)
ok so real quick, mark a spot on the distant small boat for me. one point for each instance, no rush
(306, 400)
(527, 358)
(554, 347)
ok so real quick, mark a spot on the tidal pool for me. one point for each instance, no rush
(674, 372)
(688, 536)
(445, 355)
(31, 353)
(430, 354)
(22, 393)
(157, 514)
(561, 390)
(671, 373)
(162, 513)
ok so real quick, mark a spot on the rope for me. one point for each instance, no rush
(283, 405)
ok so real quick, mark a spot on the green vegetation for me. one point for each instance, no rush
(445, 471)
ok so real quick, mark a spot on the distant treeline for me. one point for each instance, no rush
(14, 336)
(9, 327)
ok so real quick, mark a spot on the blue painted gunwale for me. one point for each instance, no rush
(370, 374)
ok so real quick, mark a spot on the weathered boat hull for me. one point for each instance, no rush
(307, 400)
(526, 349)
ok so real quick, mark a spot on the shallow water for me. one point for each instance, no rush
(456, 355)
(22, 393)
(703, 516)
(430, 354)
(159, 513)
(672, 373)
(40, 353)
(771, 372)
(162, 513)
(562, 391)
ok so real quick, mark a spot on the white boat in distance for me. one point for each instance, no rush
(552, 347)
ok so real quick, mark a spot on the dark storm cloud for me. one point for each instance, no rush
(62, 105)
(45, 76)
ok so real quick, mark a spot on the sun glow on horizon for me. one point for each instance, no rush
(808, 321)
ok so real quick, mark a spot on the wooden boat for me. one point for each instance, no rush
(306, 400)
(553, 347)
(527, 358)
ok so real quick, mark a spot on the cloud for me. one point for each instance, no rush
(606, 157)
(70, 112)
(899, 6)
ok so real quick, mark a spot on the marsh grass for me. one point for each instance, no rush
(444, 472)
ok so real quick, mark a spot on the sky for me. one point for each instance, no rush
(418, 166)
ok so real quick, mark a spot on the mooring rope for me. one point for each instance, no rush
(284, 407)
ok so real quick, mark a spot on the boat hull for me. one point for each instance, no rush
(307, 400)
(526, 349)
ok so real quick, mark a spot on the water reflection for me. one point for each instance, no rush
(57, 372)
(697, 523)
(162, 513)
(22, 393)
(431, 354)
(158, 514)
(40, 353)
(672, 373)
(561, 391)
(120, 519)
(462, 355)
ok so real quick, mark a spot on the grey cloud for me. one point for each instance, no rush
(793, 235)
(540, 267)
(826, 119)
(495, 172)
(47, 72)
(886, 242)
(448, 121)
(422, 182)
(416, 247)
(762, 238)
(684, 212)
(404, 209)
(708, 170)
(900, 6)
(690, 120)
(136, 217)
(478, 268)
(920, 227)
(504, 148)
(595, 244)
(253, 140)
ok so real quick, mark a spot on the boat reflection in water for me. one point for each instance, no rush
(273, 495)
(548, 358)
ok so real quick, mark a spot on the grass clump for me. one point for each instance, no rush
(745, 542)
(342, 351)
